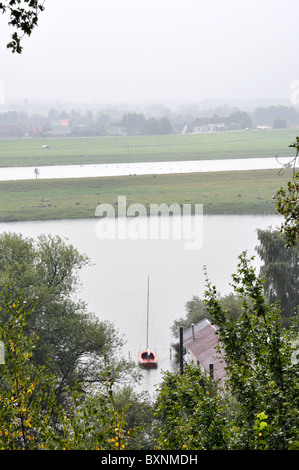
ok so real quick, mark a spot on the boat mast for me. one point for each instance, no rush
(147, 312)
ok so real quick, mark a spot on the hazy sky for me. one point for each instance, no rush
(127, 51)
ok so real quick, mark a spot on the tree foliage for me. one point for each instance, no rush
(196, 310)
(132, 122)
(257, 406)
(267, 116)
(287, 204)
(280, 272)
(31, 418)
(23, 17)
(154, 126)
(72, 341)
(27, 399)
(191, 413)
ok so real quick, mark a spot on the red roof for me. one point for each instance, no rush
(201, 339)
(64, 122)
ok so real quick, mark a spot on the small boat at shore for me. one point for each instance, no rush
(147, 358)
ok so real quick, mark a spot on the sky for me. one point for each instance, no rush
(130, 51)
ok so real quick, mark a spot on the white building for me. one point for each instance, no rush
(207, 128)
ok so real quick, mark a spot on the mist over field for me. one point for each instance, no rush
(160, 51)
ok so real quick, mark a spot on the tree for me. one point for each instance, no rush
(140, 423)
(281, 273)
(132, 122)
(279, 123)
(27, 399)
(241, 119)
(156, 127)
(257, 405)
(23, 17)
(47, 271)
(92, 420)
(267, 116)
(258, 354)
(196, 310)
(287, 204)
(31, 418)
(191, 413)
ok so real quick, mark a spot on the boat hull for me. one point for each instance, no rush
(148, 359)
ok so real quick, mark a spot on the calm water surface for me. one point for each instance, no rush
(115, 286)
(143, 168)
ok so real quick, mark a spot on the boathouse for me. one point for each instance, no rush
(200, 341)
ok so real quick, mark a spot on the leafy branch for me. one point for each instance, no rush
(23, 17)
(287, 204)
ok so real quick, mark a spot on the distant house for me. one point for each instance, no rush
(115, 130)
(86, 131)
(200, 341)
(207, 128)
(12, 131)
(36, 131)
(200, 129)
(180, 128)
(59, 128)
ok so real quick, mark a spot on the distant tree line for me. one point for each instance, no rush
(276, 116)
(87, 124)
(102, 122)
(138, 124)
(234, 121)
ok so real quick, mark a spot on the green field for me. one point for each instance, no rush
(238, 192)
(236, 144)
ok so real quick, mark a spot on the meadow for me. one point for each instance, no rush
(238, 192)
(174, 147)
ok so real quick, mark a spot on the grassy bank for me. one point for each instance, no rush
(239, 192)
(236, 144)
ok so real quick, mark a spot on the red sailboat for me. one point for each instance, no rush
(147, 358)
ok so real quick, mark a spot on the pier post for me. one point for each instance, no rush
(181, 351)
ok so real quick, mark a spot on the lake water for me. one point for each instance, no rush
(115, 286)
(143, 168)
